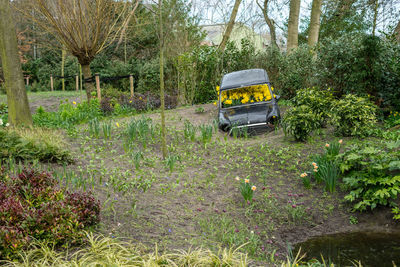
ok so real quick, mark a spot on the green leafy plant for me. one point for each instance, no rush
(94, 128)
(107, 128)
(189, 131)
(353, 116)
(300, 122)
(171, 160)
(371, 175)
(206, 133)
(137, 157)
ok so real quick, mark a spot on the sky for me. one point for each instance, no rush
(218, 11)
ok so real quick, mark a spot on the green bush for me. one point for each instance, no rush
(33, 207)
(33, 144)
(317, 99)
(296, 71)
(371, 175)
(353, 116)
(300, 121)
(361, 64)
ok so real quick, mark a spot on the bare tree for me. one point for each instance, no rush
(17, 99)
(270, 22)
(83, 27)
(293, 25)
(230, 25)
(314, 22)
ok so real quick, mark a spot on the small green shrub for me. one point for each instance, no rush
(317, 99)
(300, 122)
(32, 206)
(353, 116)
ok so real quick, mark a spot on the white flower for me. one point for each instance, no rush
(7, 124)
(1, 122)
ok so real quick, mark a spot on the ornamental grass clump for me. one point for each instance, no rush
(246, 189)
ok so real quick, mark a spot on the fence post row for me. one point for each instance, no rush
(51, 83)
(76, 82)
(131, 83)
(98, 86)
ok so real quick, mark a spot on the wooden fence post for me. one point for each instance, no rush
(51, 83)
(77, 82)
(98, 86)
(131, 82)
(27, 80)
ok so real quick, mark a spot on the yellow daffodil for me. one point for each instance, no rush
(253, 188)
(74, 102)
(117, 124)
(246, 181)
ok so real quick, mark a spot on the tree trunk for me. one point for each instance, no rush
(63, 52)
(270, 22)
(293, 25)
(89, 87)
(314, 22)
(375, 17)
(397, 32)
(230, 25)
(17, 99)
(163, 131)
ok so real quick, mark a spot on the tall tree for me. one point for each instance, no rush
(230, 25)
(17, 99)
(84, 27)
(293, 25)
(270, 22)
(314, 22)
(376, 8)
(163, 130)
(397, 31)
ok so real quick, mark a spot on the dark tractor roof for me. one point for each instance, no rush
(244, 78)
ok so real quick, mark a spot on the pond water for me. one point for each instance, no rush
(372, 249)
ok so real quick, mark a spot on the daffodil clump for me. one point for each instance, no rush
(245, 95)
(246, 189)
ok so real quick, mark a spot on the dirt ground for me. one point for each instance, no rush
(199, 203)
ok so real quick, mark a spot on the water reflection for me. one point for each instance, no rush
(372, 249)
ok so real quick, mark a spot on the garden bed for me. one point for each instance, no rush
(192, 198)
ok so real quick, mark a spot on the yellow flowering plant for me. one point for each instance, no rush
(246, 189)
(245, 95)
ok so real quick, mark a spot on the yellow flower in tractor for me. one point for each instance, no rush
(228, 102)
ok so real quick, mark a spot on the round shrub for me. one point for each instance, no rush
(300, 121)
(319, 100)
(353, 116)
(34, 207)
